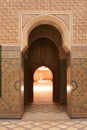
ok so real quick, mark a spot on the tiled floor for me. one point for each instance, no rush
(44, 115)
(53, 111)
(43, 125)
(44, 112)
(43, 108)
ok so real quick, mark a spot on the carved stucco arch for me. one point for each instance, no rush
(66, 33)
(46, 19)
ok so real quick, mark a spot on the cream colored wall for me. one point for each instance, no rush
(9, 21)
(43, 75)
(10, 36)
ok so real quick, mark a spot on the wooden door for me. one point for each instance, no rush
(42, 52)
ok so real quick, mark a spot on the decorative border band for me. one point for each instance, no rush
(63, 22)
(11, 52)
(79, 51)
(10, 48)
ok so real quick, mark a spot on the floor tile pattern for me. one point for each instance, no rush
(47, 124)
(44, 125)
(79, 85)
(10, 102)
(52, 111)
(45, 108)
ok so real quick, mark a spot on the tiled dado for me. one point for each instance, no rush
(79, 81)
(11, 97)
(79, 87)
(79, 51)
(10, 101)
(10, 51)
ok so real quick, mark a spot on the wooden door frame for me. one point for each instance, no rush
(31, 69)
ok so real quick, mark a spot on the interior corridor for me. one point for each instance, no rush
(43, 92)
(45, 88)
(43, 107)
(43, 85)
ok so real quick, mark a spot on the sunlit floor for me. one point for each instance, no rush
(43, 108)
(43, 91)
(43, 114)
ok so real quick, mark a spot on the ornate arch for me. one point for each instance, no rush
(50, 20)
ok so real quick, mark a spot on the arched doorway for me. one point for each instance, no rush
(63, 48)
(45, 48)
(43, 85)
(42, 52)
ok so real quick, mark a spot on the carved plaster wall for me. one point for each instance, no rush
(58, 19)
(11, 100)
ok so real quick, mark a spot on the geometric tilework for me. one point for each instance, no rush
(0, 73)
(79, 51)
(10, 54)
(9, 34)
(11, 86)
(79, 86)
(10, 51)
(10, 48)
(50, 111)
(10, 103)
(38, 111)
(45, 108)
(75, 124)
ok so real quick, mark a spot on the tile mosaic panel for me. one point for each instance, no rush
(10, 48)
(79, 52)
(10, 103)
(11, 85)
(44, 124)
(79, 87)
(10, 51)
(10, 54)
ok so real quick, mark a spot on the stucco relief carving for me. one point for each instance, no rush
(58, 19)
(26, 18)
(64, 18)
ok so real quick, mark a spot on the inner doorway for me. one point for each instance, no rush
(42, 52)
(45, 28)
(45, 50)
(43, 85)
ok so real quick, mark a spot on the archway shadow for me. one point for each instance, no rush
(42, 52)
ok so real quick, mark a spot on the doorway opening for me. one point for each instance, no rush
(45, 42)
(44, 51)
(43, 85)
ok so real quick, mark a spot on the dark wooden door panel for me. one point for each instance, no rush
(42, 52)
